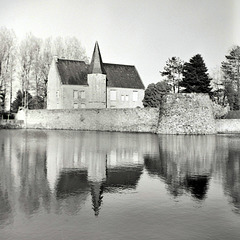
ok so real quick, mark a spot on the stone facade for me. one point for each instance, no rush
(188, 113)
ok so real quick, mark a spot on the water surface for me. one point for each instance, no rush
(101, 185)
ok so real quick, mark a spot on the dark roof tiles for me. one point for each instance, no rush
(122, 76)
(72, 72)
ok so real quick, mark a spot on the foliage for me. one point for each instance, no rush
(20, 99)
(195, 76)
(173, 72)
(219, 111)
(233, 115)
(2, 97)
(154, 93)
(231, 75)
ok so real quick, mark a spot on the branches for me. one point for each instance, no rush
(231, 74)
(173, 72)
(29, 62)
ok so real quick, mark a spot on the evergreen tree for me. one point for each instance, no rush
(195, 76)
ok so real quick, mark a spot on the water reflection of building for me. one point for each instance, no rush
(60, 170)
(80, 163)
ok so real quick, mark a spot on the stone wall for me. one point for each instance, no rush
(228, 125)
(123, 120)
(178, 114)
(186, 114)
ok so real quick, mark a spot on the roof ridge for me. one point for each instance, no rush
(119, 64)
(72, 60)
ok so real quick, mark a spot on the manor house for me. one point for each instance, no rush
(74, 84)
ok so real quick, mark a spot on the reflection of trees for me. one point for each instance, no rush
(33, 179)
(232, 177)
(5, 208)
(197, 185)
(159, 166)
(184, 163)
(59, 170)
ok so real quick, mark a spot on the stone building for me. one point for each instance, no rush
(74, 84)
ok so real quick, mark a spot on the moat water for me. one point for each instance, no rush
(102, 185)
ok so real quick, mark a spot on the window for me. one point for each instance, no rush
(83, 105)
(135, 96)
(75, 106)
(82, 94)
(75, 94)
(57, 94)
(122, 98)
(113, 95)
(126, 98)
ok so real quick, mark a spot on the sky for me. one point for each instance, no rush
(144, 33)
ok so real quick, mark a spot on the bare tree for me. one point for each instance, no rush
(231, 72)
(45, 59)
(29, 54)
(7, 63)
(173, 72)
(69, 48)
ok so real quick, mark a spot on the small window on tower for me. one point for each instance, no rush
(126, 98)
(135, 96)
(122, 98)
(83, 105)
(113, 95)
(75, 106)
(82, 95)
(75, 94)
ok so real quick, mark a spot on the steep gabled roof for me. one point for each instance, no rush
(72, 72)
(122, 76)
(96, 65)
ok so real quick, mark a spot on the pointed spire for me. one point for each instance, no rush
(96, 65)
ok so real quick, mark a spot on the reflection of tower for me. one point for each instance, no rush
(97, 167)
(96, 192)
(97, 175)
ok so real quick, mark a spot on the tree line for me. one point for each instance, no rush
(24, 67)
(223, 86)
